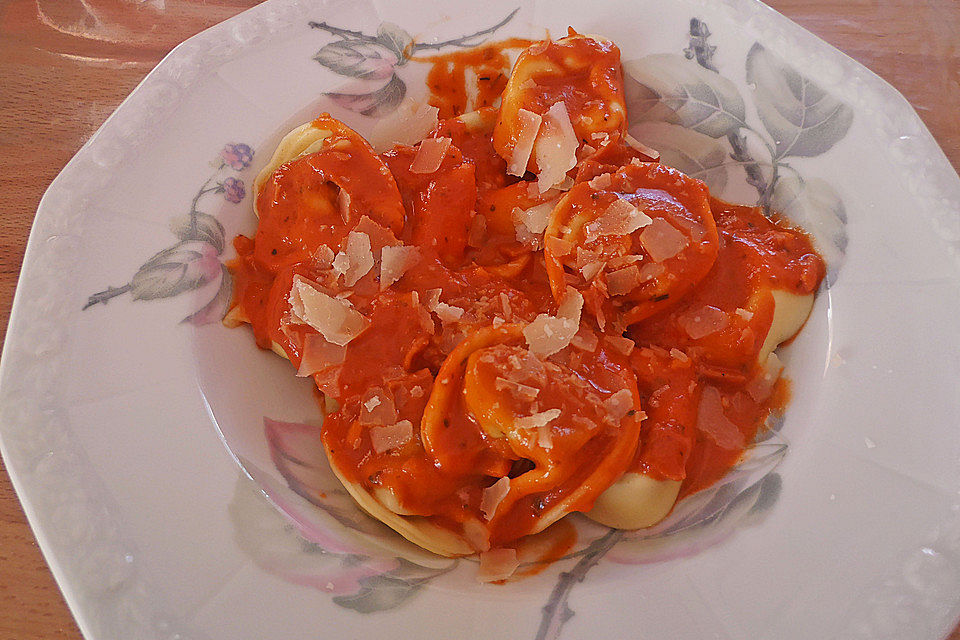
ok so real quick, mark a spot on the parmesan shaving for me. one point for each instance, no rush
(602, 181)
(547, 335)
(343, 203)
(378, 407)
(409, 124)
(585, 340)
(492, 497)
(537, 420)
(743, 313)
(703, 321)
(558, 246)
(391, 437)
(528, 125)
(516, 389)
(447, 313)
(650, 152)
(591, 269)
(394, 262)
(712, 422)
(335, 319)
(430, 155)
(619, 219)
(535, 218)
(623, 281)
(556, 147)
(618, 405)
(497, 564)
(650, 271)
(662, 241)
(318, 354)
(355, 258)
(623, 345)
(478, 232)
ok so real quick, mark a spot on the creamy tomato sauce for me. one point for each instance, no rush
(449, 407)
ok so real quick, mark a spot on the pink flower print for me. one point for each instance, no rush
(233, 190)
(238, 156)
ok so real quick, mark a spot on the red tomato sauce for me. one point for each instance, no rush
(462, 220)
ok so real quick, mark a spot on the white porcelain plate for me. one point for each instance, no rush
(120, 388)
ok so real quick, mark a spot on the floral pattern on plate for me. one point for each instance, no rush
(195, 260)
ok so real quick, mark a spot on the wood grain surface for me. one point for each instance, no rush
(66, 64)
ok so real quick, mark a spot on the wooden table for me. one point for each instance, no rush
(66, 64)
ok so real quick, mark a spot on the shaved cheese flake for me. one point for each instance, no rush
(447, 313)
(547, 335)
(623, 281)
(394, 262)
(621, 344)
(497, 564)
(602, 181)
(391, 437)
(537, 420)
(591, 269)
(650, 152)
(676, 354)
(318, 354)
(743, 313)
(620, 262)
(703, 321)
(556, 147)
(409, 124)
(558, 246)
(662, 241)
(535, 218)
(516, 389)
(585, 340)
(619, 219)
(355, 258)
(378, 408)
(571, 305)
(618, 405)
(650, 271)
(432, 298)
(335, 319)
(528, 126)
(343, 203)
(323, 257)
(761, 386)
(492, 497)
(505, 303)
(430, 155)
(712, 422)
(528, 85)
(478, 232)
(545, 437)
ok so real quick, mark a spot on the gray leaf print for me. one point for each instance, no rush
(695, 154)
(201, 226)
(801, 117)
(670, 88)
(395, 39)
(378, 593)
(358, 59)
(375, 104)
(180, 268)
(814, 205)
